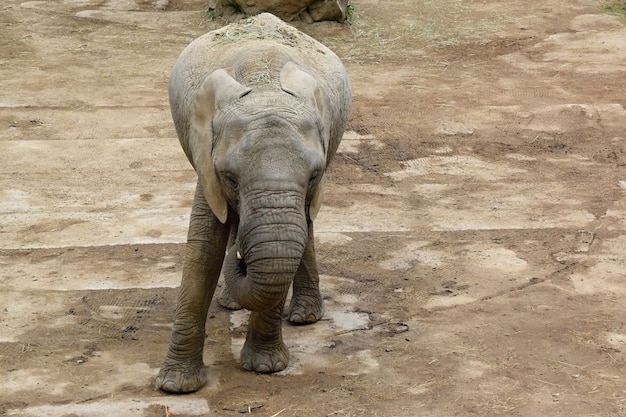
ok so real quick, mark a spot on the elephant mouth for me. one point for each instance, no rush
(236, 267)
(242, 267)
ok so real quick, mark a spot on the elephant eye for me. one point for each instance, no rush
(231, 181)
(314, 178)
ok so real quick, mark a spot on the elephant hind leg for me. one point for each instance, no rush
(225, 298)
(307, 305)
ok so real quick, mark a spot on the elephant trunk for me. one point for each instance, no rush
(272, 236)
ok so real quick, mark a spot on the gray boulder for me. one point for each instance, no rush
(288, 10)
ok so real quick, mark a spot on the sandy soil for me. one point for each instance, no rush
(472, 243)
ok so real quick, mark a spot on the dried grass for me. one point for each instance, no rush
(260, 28)
(428, 25)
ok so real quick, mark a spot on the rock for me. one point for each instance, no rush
(285, 9)
(288, 10)
(329, 10)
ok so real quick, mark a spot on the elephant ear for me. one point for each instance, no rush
(316, 200)
(218, 90)
(303, 85)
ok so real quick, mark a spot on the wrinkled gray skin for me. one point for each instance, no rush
(259, 109)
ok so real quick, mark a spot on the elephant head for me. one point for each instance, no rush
(260, 155)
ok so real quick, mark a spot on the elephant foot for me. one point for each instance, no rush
(177, 381)
(226, 300)
(266, 359)
(306, 309)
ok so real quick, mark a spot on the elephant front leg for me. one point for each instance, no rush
(183, 369)
(307, 305)
(264, 350)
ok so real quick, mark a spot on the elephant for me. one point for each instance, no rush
(259, 109)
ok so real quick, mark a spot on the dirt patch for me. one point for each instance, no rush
(471, 245)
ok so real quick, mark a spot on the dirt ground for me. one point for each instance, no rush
(472, 242)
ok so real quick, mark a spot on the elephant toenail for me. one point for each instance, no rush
(170, 386)
(263, 368)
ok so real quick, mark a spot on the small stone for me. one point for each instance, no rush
(454, 129)
(401, 328)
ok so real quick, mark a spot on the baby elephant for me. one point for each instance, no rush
(259, 109)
